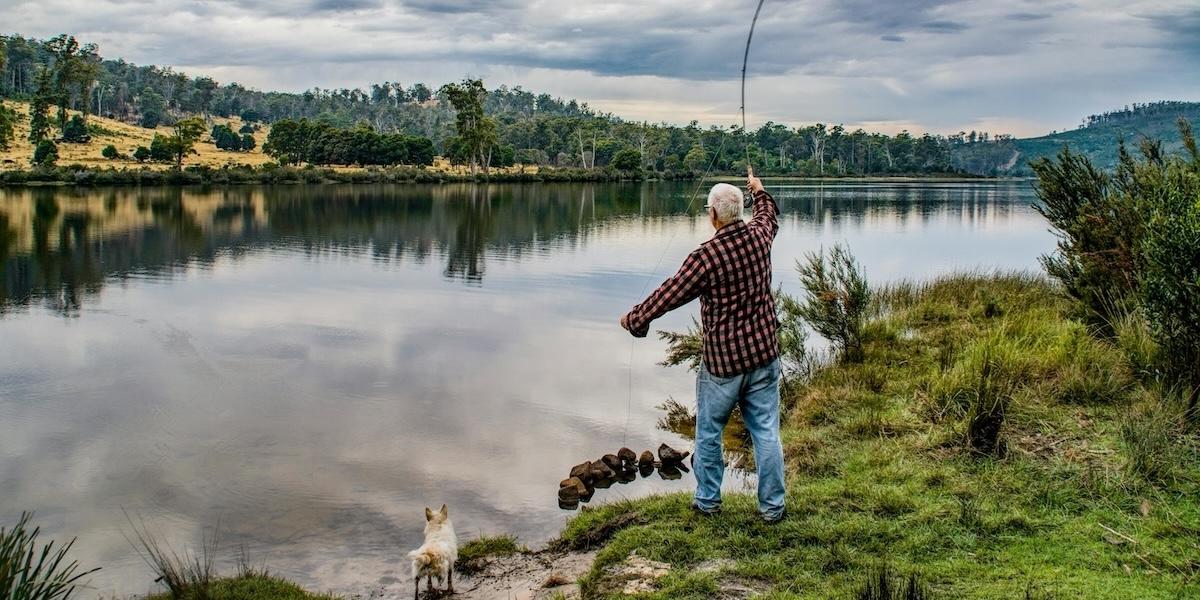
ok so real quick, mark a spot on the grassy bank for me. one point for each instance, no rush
(1095, 492)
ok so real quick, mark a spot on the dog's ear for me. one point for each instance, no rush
(428, 514)
(445, 512)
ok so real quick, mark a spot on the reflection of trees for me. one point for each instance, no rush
(59, 246)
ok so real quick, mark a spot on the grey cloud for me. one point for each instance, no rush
(892, 38)
(945, 26)
(1181, 31)
(1024, 16)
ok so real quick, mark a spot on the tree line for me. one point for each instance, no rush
(473, 125)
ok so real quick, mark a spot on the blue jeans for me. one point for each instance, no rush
(757, 392)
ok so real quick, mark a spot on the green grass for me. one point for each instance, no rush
(252, 586)
(473, 553)
(880, 473)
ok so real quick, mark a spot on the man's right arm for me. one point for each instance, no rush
(766, 212)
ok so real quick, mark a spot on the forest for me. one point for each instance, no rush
(516, 125)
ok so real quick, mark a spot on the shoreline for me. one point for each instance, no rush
(87, 176)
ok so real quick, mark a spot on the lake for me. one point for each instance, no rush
(311, 366)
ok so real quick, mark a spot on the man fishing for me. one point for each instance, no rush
(731, 274)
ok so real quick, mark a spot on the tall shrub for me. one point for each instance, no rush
(836, 296)
(1170, 258)
(1097, 230)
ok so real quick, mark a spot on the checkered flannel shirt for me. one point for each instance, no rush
(731, 274)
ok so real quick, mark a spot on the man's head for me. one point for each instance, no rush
(724, 204)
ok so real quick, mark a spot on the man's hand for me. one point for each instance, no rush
(753, 185)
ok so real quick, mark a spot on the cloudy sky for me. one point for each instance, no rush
(1022, 67)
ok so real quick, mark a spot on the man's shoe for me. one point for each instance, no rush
(776, 519)
(706, 513)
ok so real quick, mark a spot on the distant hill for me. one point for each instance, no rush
(1098, 138)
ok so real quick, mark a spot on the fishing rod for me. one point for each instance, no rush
(745, 62)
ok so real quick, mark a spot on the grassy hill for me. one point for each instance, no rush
(1099, 139)
(126, 138)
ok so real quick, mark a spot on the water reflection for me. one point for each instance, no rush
(61, 247)
(314, 365)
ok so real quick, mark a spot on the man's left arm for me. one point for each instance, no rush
(683, 287)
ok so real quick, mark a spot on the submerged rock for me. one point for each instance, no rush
(646, 469)
(671, 455)
(646, 459)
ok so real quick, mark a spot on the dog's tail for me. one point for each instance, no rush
(421, 559)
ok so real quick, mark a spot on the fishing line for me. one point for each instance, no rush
(692, 200)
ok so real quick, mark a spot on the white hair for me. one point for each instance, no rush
(726, 200)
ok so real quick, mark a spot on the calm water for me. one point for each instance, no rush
(311, 366)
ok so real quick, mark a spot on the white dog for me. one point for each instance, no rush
(436, 557)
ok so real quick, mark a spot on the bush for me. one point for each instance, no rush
(246, 128)
(142, 154)
(248, 142)
(162, 148)
(32, 572)
(76, 131)
(1097, 230)
(225, 139)
(45, 154)
(836, 299)
(110, 152)
(628, 159)
(1170, 255)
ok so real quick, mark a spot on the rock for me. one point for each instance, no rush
(647, 458)
(627, 456)
(671, 455)
(582, 471)
(598, 471)
(568, 494)
(626, 475)
(646, 470)
(576, 483)
(612, 461)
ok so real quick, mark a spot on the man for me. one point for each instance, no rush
(731, 274)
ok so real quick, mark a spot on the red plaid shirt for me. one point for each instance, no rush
(731, 274)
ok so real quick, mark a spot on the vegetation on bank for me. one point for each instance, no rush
(986, 436)
(1090, 487)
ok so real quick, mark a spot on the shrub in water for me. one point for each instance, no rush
(32, 572)
(836, 297)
